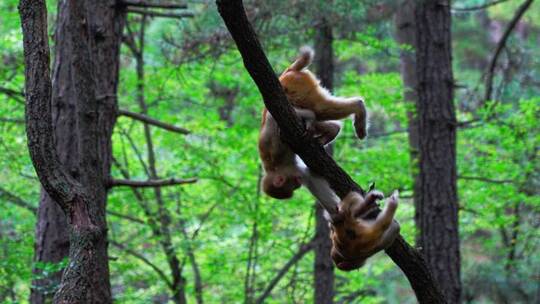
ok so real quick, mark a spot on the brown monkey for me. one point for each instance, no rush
(354, 237)
(283, 173)
(304, 91)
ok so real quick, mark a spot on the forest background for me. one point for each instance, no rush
(233, 243)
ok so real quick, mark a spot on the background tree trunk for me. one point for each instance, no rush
(437, 206)
(323, 265)
(406, 36)
(52, 242)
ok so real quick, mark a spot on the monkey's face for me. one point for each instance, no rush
(298, 85)
(281, 186)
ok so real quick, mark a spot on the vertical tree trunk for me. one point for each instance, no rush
(406, 36)
(437, 210)
(103, 34)
(324, 267)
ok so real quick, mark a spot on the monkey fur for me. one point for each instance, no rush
(355, 237)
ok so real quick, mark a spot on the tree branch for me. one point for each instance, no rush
(59, 185)
(16, 200)
(151, 183)
(126, 217)
(305, 248)
(487, 180)
(158, 14)
(478, 7)
(501, 45)
(311, 152)
(153, 122)
(17, 95)
(146, 261)
(146, 4)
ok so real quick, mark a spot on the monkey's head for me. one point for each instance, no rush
(279, 185)
(298, 84)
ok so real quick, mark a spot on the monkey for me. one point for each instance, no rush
(303, 90)
(283, 172)
(356, 237)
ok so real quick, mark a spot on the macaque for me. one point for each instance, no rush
(355, 237)
(283, 173)
(304, 91)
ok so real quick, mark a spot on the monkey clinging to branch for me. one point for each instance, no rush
(283, 174)
(304, 91)
(354, 237)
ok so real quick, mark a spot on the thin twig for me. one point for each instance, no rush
(305, 248)
(158, 14)
(478, 7)
(16, 200)
(487, 180)
(164, 5)
(153, 122)
(501, 45)
(141, 257)
(151, 183)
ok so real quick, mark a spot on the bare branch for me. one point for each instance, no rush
(501, 45)
(141, 257)
(17, 95)
(16, 200)
(154, 122)
(487, 180)
(305, 248)
(12, 120)
(478, 7)
(126, 217)
(158, 14)
(146, 4)
(151, 183)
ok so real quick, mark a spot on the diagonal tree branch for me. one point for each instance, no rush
(478, 7)
(305, 248)
(312, 153)
(153, 122)
(146, 261)
(16, 200)
(158, 14)
(152, 183)
(150, 4)
(501, 45)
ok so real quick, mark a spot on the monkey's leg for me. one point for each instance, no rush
(326, 131)
(384, 219)
(332, 107)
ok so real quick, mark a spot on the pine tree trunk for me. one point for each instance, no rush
(324, 267)
(437, 206)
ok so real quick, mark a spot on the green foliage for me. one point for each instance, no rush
(188, 66)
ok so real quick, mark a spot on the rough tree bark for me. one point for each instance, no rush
(323, 265)
(74, 173)
(405, 36)
(437, 206)
(312, 153)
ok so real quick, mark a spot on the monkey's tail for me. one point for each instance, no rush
(304, 59)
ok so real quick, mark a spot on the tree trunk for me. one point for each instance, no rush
(406, 36)
(102, 36)
(437, 206)
(323, 266)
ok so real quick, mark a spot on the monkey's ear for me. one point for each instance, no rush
(279, 180)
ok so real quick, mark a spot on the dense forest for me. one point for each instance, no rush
(133, 169)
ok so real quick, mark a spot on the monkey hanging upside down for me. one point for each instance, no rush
(355, 236)
(283, 174)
